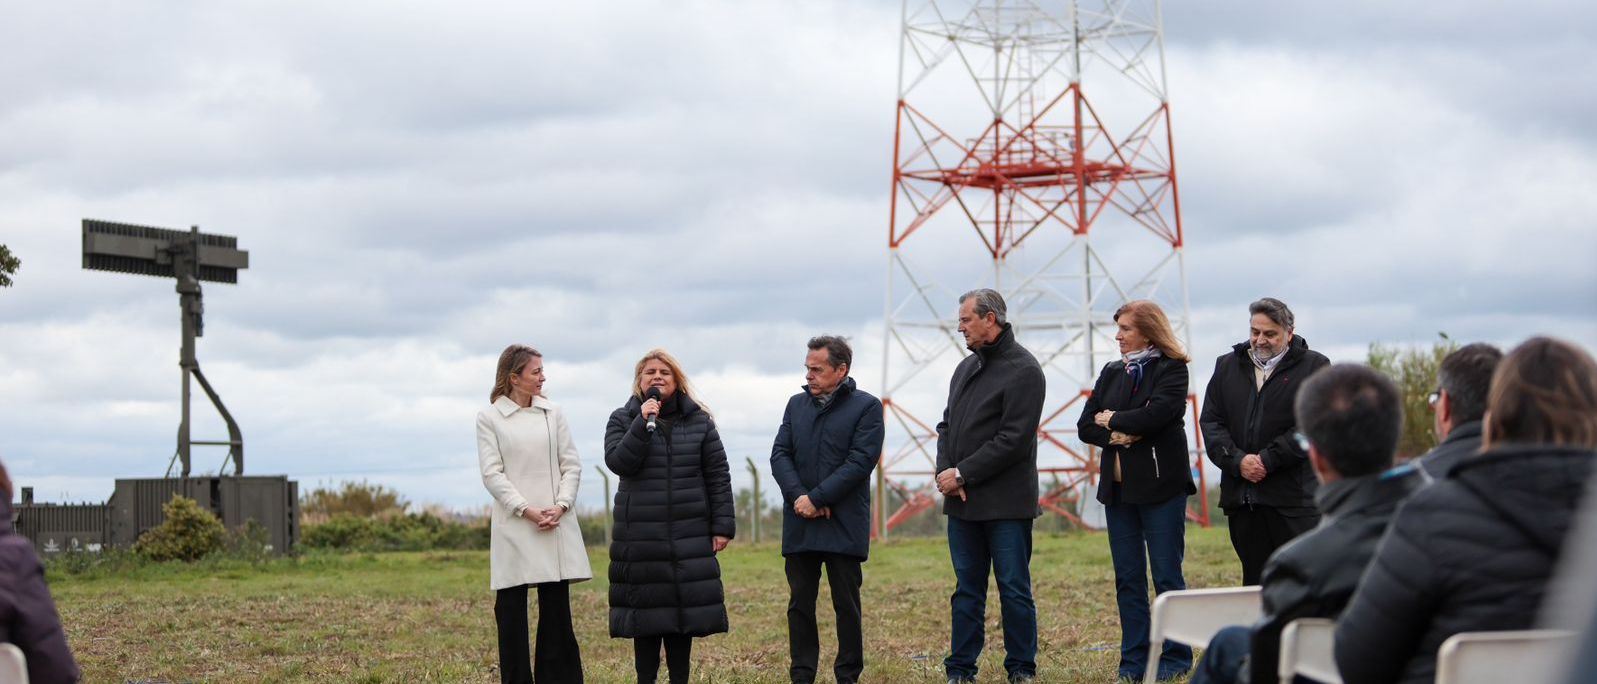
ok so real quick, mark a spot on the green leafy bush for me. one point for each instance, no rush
(411, 532)
(189, 533)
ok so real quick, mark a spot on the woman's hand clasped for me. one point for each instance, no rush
(544, 518)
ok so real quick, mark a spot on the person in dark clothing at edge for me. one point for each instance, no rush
(1458, 404)
(27, 614)
(1266, 491)
(987, 473)
(825, 450)
(1474, 551)
(1351, 418)
(673, 512)
(1136, 414)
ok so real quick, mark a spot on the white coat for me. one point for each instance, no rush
(528, 459)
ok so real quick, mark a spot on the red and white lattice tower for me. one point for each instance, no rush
(1033, 155)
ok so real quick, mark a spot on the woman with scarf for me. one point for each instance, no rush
(673, 512)
(1136, 415)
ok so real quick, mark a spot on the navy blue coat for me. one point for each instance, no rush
(828, 454)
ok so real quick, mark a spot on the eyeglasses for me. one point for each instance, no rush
(1303, 440)
(1433, 397)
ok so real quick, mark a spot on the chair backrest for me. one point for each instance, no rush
(1194, 616)
(1307, 649)
(1527, 656)
(13, 665)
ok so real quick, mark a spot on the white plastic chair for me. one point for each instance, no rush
(13, 665)
(1307, 649)
(1532, 655)
(1194, 616)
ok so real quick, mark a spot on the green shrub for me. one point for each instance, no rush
(411, 532)
(189, 533)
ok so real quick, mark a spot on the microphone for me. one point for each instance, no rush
(653, 393)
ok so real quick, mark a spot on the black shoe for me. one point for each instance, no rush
(1022, 678)
(956, 679)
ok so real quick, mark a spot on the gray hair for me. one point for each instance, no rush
(1275, 310)
(838, 352)
(987, 302)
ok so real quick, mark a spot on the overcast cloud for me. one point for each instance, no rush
(420, 185)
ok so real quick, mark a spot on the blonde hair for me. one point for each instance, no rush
(1150, 322)
(683, 385)
(1543, 392)
(512, 361)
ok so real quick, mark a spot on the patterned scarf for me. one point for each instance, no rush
(1137, 361)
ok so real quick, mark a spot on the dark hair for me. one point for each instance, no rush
(5, 483)
(987, 302)
(1544, 392)
(1275, 310)
(838, 352)
(512, 361)
(1353, 415)
(1466, 376)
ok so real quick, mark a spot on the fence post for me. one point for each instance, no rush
(756, 504)
(607, 516)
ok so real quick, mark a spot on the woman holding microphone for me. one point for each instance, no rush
(1136, 414)
(673, 512)
(530, 466)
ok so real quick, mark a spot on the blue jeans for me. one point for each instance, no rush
(1143, 535)
(1222, 660)
(1005, 547)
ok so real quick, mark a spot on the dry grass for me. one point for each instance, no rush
(428, 617)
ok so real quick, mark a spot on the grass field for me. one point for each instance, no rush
(428, 617)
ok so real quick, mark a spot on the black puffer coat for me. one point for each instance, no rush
(1473, 552)
(675, 494)
(1154, 469)
(1240, 418)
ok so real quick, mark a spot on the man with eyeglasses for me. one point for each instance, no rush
(1350, 417)
(1458, 404)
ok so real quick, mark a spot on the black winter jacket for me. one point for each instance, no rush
(1155, 468)
(1462, 442)
(989, 431)
(675, 494)
(828, 454)
(27, 615)
(1239, 418)
(1315, 574)
(1469, 553)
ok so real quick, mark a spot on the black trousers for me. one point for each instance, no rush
(1258, 531)
(804, 642)
(558, 660)
(646, 657)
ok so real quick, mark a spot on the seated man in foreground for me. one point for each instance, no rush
(1350, 417)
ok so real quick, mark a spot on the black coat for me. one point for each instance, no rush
(27, 615)
(828, 454)
(1240, 418)
(1473, 552)
(989, 431)
(1315, 574)
(1155, 468)
(675, 494)
(1462, 442)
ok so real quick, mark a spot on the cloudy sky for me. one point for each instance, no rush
(419, 185)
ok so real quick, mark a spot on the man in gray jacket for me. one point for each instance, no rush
(987, 472)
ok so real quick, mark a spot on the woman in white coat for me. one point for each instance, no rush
(530, 466)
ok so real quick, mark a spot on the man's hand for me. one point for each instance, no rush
(805, 508)
(1252, 468)
(1122, 439)
(1102, 418)
(718, 543)
(948, 481)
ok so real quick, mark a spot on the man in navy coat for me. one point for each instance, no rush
(830, 439)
